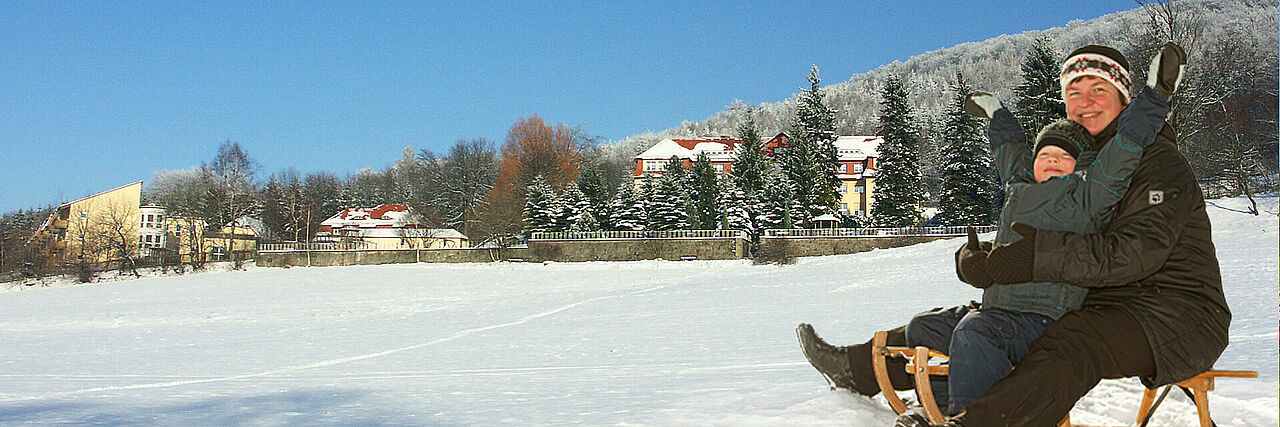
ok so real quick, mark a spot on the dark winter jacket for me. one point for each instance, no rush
(1155, 259)
(1079, 203)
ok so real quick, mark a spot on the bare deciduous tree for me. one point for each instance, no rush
(232, 173)
(117, 226)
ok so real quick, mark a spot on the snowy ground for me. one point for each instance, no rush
(633, 343)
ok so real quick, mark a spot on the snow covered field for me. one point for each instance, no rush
(633, 343)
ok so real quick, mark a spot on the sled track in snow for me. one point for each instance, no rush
(339, 361)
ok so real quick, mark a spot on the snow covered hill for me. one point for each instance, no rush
(632, 343)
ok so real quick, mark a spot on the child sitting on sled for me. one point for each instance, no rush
(984, 342)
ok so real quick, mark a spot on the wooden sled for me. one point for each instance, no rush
(918, 359)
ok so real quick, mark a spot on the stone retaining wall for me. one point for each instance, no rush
(388, 256)
(818, 246)
(637, 249)
(590, 250)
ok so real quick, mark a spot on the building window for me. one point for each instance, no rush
(857, 168)
(654, 165)
(844, 188)
(842, 168)
(844, 207)
(859, 188)
(719, 169)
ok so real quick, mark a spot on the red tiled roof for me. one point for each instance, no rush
(688, 144)
(377, 212)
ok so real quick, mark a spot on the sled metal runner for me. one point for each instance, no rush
(918, 366)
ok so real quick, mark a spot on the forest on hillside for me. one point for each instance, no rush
(1225, 115)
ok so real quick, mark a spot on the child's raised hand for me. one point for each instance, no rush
(981, 104)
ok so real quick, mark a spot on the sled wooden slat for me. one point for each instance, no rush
(918, 366)
(878, 355)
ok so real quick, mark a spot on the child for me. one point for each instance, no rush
(983, 344)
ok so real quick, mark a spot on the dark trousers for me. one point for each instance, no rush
(983, 345)
(1067, 361)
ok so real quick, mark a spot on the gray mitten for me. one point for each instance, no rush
(1166, 69)
(981, 105)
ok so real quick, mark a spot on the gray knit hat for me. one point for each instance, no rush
(1066, 134)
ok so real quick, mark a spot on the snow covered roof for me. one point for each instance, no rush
(384, 221)
(858, 147)
(389, 215)
(849, 148)
(259, 229)
(690, 148)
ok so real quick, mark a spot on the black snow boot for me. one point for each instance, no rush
(830, 361)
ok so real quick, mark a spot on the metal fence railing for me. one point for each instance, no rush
(739, 234)
(673, 234)
(629, 235)
(315, 246)
(876, 232)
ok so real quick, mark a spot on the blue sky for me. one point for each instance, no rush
(94, 95)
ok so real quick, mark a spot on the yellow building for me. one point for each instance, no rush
(98, 228)
(857, 171)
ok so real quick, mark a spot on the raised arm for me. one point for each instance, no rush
(1083, 201)
(1009, 150)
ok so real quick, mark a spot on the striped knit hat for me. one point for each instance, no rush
(1100, 61)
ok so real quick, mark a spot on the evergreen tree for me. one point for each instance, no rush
(668, 203)
(703, 192)
(626, 210)
(644, 199)
(595, 189)
(585, 222)
(967, 191)
(776, 201)
(274, 214)
(749, 164)
(815, 125)
(734, 206)
(797, 165)
(1037, 101)
(674, 170)
(540, 207)
(575, 207)
(898, 187)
